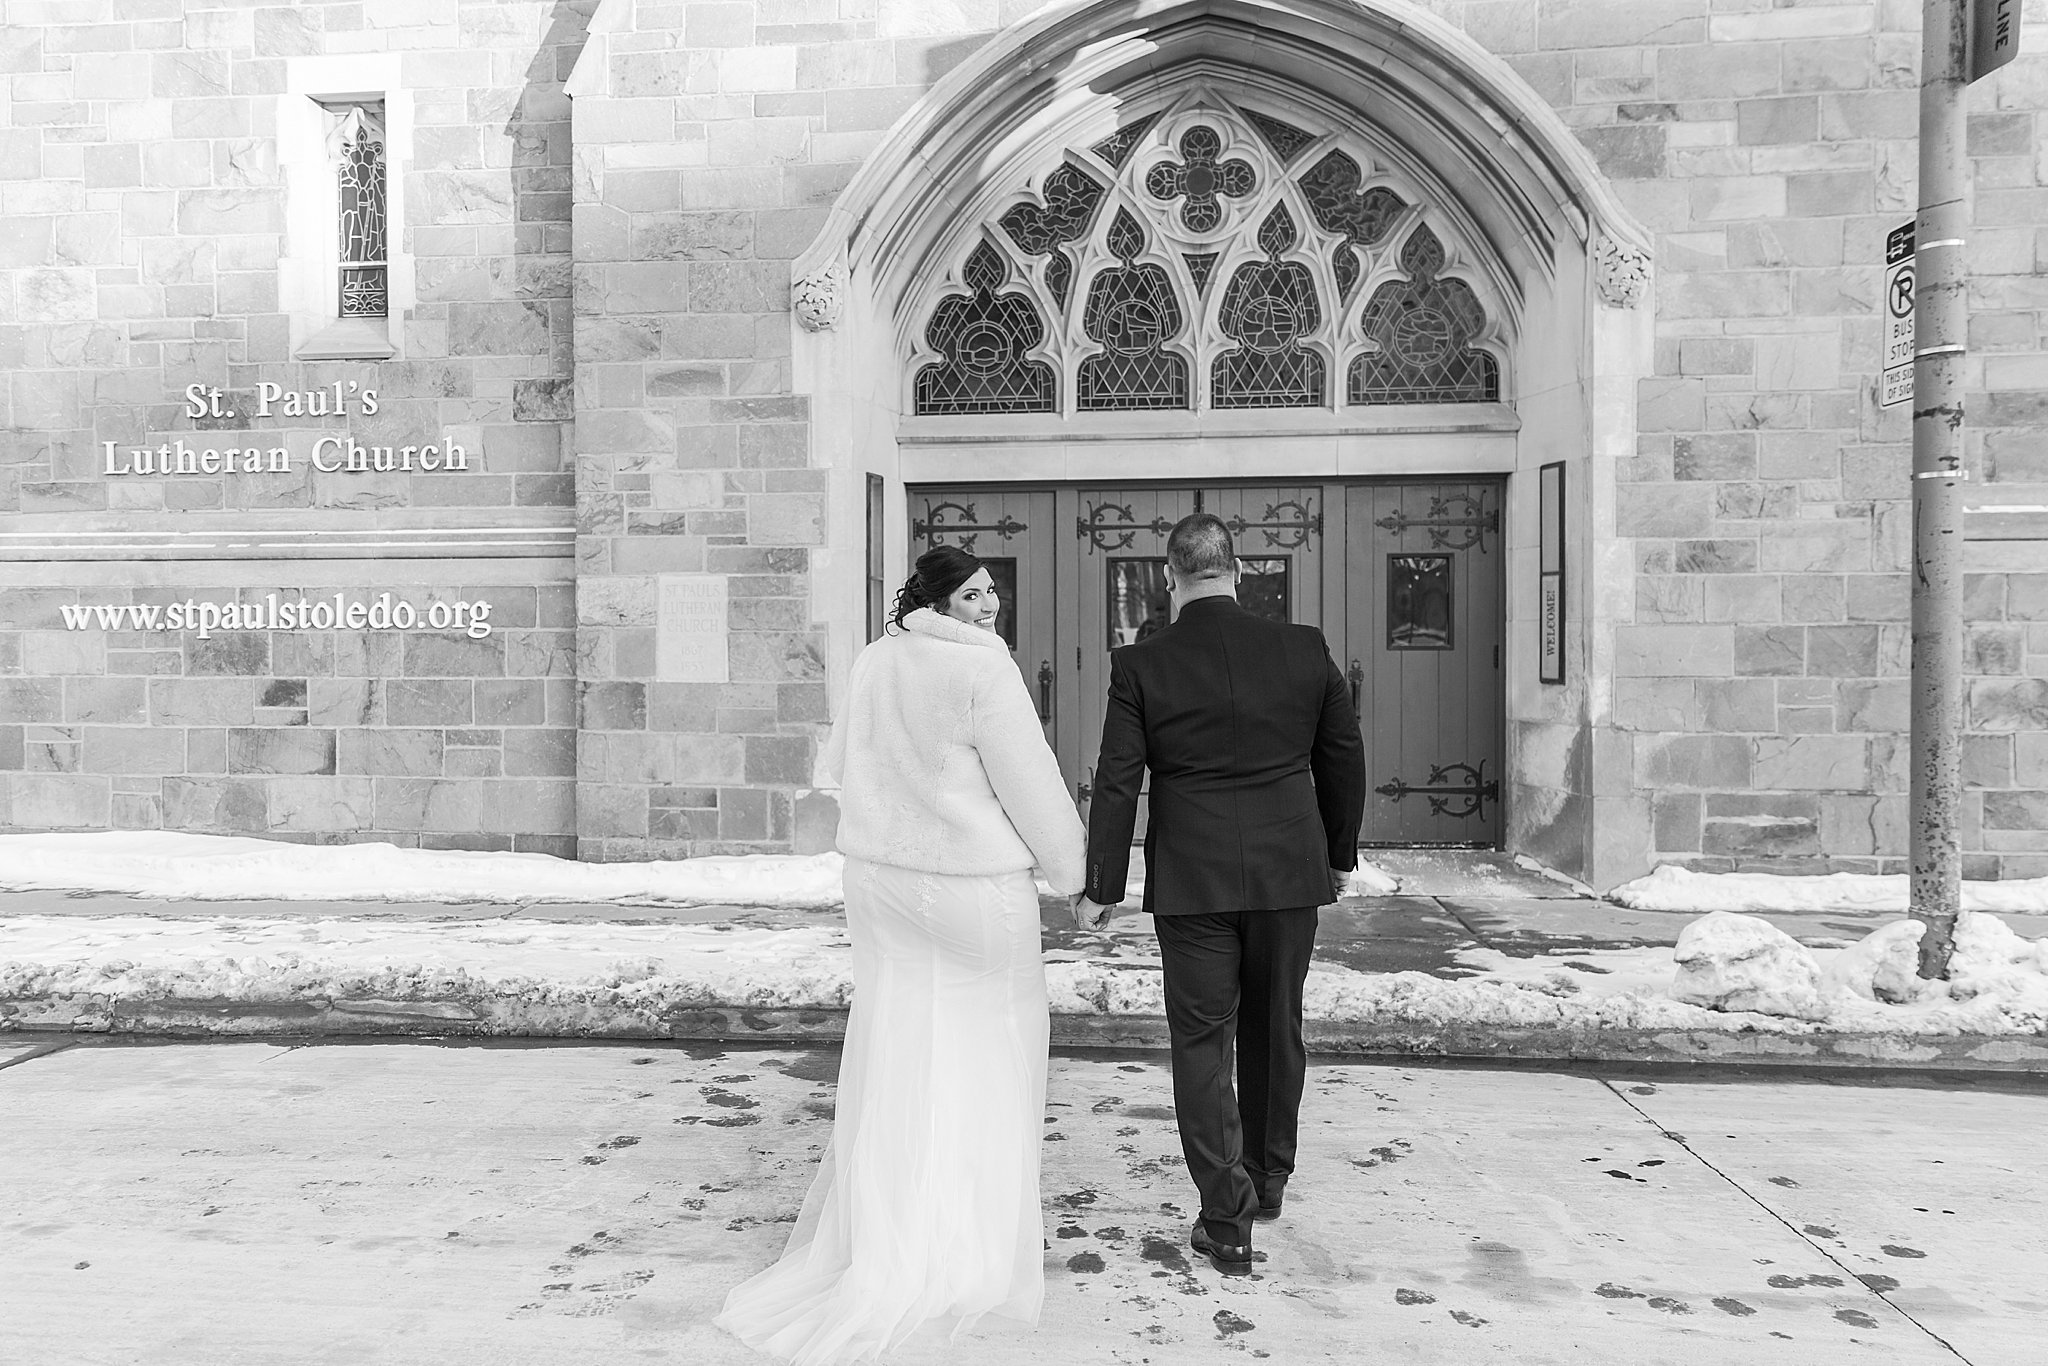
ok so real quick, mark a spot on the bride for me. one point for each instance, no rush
(925, 1206)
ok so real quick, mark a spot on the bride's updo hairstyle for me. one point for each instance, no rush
(939, 573)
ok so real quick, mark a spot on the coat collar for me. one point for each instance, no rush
(925, 622)
(1215, 603)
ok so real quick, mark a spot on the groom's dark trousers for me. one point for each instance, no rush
(1258, 787)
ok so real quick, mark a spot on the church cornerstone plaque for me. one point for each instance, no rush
(690, 622)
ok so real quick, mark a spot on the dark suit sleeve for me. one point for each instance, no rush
(1119, 773)
(1338, 764)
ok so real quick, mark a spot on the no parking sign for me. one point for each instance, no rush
(1898, 317)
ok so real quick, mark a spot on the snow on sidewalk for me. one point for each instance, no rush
(1671, 888)
(529, 977)
(170, 865)
(162, 863)
(1728, 972)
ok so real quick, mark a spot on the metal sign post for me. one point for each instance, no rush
(1940, 322)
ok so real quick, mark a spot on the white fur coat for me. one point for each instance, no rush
(942, 765)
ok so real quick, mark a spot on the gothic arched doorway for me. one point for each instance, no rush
(1322, 266)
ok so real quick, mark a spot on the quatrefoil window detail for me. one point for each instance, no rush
(1200, 178)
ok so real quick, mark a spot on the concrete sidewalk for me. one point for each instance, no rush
(243, 1204)
(1449, 902)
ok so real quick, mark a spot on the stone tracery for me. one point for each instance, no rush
(1214, 242)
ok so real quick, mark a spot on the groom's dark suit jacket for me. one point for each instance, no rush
(1258, 772)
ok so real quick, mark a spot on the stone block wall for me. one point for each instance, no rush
(1760, 691)
(142, 225)
(423, 738)
(711, 139)
(1756, 706)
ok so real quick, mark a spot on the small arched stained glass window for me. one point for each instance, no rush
(1268, 307)
(1132, 312)
(356, 143)
(1422, 330)
(985, 337)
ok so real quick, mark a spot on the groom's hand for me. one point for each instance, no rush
(1340, 883)
(1090, 915)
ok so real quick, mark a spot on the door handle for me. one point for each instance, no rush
(1357, 677)
(1085, 788)
(1045, 690)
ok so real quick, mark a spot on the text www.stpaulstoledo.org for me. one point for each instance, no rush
(275, 613)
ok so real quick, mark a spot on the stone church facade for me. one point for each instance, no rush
(498, 425)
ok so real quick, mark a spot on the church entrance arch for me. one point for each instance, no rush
(1319, 266)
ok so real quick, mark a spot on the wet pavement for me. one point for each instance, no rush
(233, 1203)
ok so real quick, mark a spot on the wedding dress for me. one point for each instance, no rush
(925, 1206)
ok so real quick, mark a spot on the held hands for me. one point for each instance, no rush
(1089, 915)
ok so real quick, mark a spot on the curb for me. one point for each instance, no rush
(1394, 1039)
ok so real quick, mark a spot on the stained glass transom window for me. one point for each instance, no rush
(1209, 256)
(1423, 328)
(1132, 312)
(363, 283)
(985, 336)
(1268, 308)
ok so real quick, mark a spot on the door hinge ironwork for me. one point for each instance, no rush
(1288, 525)
(1474, 792)
(934, 524)
(1470, 525)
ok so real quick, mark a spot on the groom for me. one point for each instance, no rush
(1258, 787)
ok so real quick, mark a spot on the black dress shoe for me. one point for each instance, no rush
(1272, 1211)
(1232, 1259)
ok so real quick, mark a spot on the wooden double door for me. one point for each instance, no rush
(1404, 578)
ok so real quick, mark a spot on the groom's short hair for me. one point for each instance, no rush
(1199, 547)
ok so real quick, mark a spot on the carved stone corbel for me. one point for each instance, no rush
(819, 296)
(1621, 271)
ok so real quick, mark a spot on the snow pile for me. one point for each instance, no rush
(531, 977)
(161, 863)
(552, 972)
(1884, 965)
(1991, 963)
(1671, 888)
(1369, 879)
(1737, 962)
(1997, 983)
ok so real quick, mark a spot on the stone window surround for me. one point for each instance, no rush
(307, 270)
